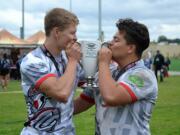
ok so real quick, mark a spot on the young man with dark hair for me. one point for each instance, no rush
(49, 77)
(126, 93)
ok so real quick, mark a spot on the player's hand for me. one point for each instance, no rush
(73, 51)
(105, 55)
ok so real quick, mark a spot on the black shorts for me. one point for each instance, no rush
(4, 72)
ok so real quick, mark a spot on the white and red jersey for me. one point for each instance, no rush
(130, 119)
(45, 114)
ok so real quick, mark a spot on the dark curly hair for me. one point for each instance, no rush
(135, 33)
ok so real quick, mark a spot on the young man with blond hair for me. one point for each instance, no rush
(49, 77)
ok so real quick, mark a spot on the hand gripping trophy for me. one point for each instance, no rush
(89, 60)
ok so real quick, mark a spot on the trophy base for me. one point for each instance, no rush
(89, 83)
(86, 85)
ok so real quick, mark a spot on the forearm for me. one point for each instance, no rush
(66, 81)
(106, 83)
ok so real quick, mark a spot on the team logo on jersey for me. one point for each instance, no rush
(41, 115)
(47, 119)
(137, 80)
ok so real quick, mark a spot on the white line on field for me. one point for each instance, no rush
(10, 92)
(14, 92)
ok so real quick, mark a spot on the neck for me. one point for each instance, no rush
(123, 63)
(52, 47)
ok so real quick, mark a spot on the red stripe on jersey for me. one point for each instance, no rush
(88, 99)
(36, 104)
(131, 93)
(39, 81)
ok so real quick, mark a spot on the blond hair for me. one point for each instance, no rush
(58, 17)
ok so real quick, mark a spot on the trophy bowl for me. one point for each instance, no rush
(89, 60)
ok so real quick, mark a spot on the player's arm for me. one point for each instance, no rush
(60, 88)
(113, 94)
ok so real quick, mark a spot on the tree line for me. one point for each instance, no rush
(163, 38)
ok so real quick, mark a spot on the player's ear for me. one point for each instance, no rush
(131, 48)
(55, 31)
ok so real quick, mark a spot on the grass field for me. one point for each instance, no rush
(175, 64)
(165, 119)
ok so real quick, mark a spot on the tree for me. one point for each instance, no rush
(162, 38)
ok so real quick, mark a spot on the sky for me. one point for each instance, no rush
(162, 17)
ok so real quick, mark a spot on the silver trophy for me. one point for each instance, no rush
(89, 60)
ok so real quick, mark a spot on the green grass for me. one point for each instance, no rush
(175, 64)
(84, 122)
(12, 110)
(165, 119)
(12, 113)
(166, 116)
